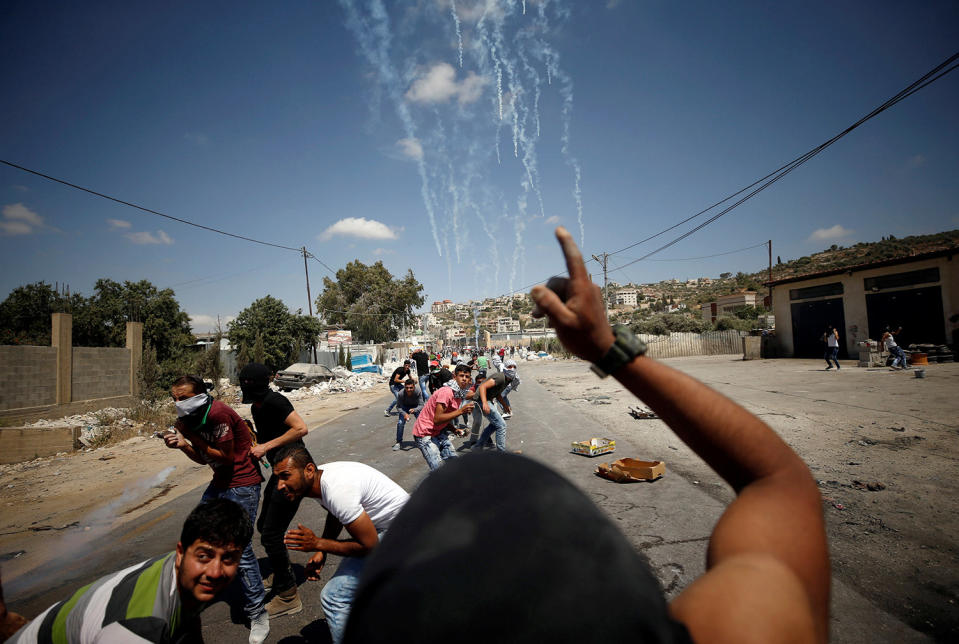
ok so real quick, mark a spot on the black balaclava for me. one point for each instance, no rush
(254, 382)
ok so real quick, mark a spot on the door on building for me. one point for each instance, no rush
(810, 320)
(917, 310)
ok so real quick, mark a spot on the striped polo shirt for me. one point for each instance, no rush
(138, 604)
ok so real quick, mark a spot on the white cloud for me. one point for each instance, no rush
(17, 219)
(827, 234)
(203, 323)
(439, 85)
(147, 237)
(552, 220)
(118, 224)
(411, 148)
(379, 252)
(915, 161)
(359, 227)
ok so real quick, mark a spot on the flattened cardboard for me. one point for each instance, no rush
(631, 470)
(594, 447)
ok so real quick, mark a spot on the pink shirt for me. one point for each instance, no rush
(424, 422)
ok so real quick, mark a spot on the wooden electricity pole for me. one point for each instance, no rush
(309, 298)
(770, 280)
(603, 262)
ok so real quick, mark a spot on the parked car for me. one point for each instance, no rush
(302, 374)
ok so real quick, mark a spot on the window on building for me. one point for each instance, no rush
(823, 290)
(896, 280)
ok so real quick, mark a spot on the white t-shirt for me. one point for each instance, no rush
(890, 342)
(348, 489)
(832, 340)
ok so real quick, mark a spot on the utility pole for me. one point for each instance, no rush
(770, 242)
(309, 298)
(603, 262)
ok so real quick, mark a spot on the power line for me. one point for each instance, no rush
(929, 77)
(144, 209)
(689, 259)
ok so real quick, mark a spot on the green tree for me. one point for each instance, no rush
(25, 314)
(282, 334)
(369, 301)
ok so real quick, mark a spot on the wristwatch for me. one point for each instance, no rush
(626, 347)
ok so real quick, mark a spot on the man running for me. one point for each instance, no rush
(357, 497)
(430, 431)
(210, 433)
(277, 424)
(158, 600)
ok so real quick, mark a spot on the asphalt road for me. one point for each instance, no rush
(669, 520)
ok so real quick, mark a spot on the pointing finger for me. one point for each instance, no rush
(574, 259)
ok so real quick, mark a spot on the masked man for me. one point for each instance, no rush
(158, 600)
(211, 433)
(277, 424)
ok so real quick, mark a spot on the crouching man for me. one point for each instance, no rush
(158, 600)
(357, 497)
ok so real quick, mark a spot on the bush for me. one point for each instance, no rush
(666, 323)
(727, 323)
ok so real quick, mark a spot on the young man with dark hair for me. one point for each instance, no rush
(357, 497)
(277, 424)
(410, 403)
(486, 390)
(158, 600)
(399, 374)
(211, 433)
(430, 431)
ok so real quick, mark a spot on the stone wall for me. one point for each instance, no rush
(100, 372)
(28, 376)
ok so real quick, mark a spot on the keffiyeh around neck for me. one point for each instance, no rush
(458, 392)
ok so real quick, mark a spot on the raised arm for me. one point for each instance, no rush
(767, 565)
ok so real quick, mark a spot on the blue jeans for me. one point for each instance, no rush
(338, 593)
(831, 353)
(496, 424)
(248, 498)
(401, 422)
(436, 449)
(900, 356)
(424, 385)
(396, 389)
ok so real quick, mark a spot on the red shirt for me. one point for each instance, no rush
(222, 426)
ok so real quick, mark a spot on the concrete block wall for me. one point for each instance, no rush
(18, 444)
(28, 376)
(100, 372)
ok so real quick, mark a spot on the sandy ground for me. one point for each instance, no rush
(895, 544)
(65, 501)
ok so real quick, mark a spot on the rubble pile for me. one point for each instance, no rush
(94, 424)
(341, 384)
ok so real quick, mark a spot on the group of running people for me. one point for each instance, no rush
(441, 399)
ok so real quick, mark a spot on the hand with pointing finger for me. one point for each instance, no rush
(574, 306)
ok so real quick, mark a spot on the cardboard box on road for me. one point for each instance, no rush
(627, 470)
(594, 446)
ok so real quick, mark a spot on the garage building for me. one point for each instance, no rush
(919, 293)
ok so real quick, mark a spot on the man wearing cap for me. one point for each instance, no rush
(399, 375)
(277, 424)
(211, 433)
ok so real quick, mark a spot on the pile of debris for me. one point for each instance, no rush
(345, 382)
(93, 424)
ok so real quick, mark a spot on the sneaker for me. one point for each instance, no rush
(396, 447)
(507, 415)
(285, 603)
(268, 582)
(386, 412)
(828, 368)
(260, 628)
(469, 443)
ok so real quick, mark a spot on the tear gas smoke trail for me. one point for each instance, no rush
(476, 326)
(374, 40)
(82, 543)
(459, 34)
(524, 7)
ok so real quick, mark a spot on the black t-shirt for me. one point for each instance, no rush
(403, 372)
(269, 417)
(422, 363)
(499, 384)
(440, 378)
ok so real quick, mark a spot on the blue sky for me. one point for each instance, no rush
(345, 129)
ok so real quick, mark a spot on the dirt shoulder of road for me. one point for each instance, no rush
(86, 493)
